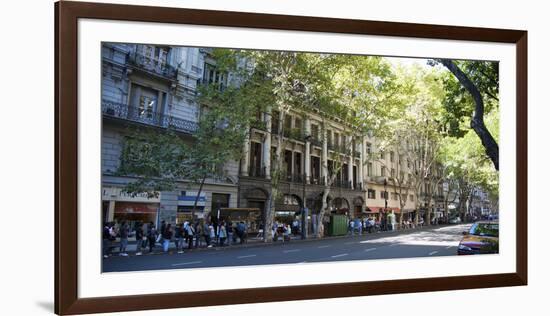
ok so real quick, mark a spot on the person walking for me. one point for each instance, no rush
(222, 233)
(197, 233)
(212, 234)
(179, 238)
(190, 234)
(151, 236)
(167, 237)
(139, 238)
(229, 229)
(123, 233)
(107, 240)
(206, 233)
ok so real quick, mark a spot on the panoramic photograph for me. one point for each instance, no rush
(219, 157)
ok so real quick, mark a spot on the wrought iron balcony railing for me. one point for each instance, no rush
(151, 65)
(316, 142)
(139, 115)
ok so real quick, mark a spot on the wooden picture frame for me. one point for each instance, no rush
(67, 15)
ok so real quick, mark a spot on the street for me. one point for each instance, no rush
(438, 241)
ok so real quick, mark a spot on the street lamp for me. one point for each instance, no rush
(304, 209)
(385, 195)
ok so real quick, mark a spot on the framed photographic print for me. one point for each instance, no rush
(291, 157)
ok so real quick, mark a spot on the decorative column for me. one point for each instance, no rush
(307, 154)
(267, 145)
(324, 156)
(245, 160)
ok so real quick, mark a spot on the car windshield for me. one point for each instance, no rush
(484, 229)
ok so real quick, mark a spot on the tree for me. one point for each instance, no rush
(479, 79)
(467, 164)
(159, 159)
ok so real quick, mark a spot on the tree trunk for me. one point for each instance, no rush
(197, 198)
(269, 211)
(477, 123)
(324, 207)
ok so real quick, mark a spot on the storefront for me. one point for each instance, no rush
(119, 206)
(187, 208)
(251, 217)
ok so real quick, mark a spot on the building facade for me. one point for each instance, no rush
(152, 86)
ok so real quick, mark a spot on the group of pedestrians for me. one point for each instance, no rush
(185, 235)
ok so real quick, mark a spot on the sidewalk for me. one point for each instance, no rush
(258, 242)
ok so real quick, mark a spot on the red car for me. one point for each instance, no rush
(482, 238)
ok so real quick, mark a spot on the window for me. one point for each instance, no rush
(369, 169)
(146, 106)
(392, 173)
(392, 156)
(384, 195)
(383, 171)
(411, 197)
(371, 194)
(394, 196)
(214, 76)
(275, 122)
(315, 131)
(220, 200)
(369, 148)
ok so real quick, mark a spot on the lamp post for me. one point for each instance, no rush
(385, 195)
(304, 208)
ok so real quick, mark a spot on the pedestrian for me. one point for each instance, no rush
(206, 233)
(198, 233)
(123, 233)
(190, 234)
(139, 238)
(357, 225)
(151, 236)
(229, 229)
(107, 240)
(212, 234)
(179, 238)
(167, 237)
(350, 227)
(222, 233)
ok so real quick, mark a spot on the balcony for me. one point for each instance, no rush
(296, 178)
(339, 183)
(156, 119)
(152, 66)
(259, 125)
(316, 142)
(256, 172)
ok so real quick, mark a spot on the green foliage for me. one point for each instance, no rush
(458, 102)
(465, 157)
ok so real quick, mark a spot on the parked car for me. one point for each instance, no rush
(455, 220)
(481, 238)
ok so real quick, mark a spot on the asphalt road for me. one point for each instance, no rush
(440, 241)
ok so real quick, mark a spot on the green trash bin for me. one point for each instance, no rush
(338, 225)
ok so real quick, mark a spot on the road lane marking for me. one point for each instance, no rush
(340, 255)
(393, 245)
(186, 263)
(370, 249)
(433, 253)
(247, 256)
(450, 247)
(291, 250)
(326, 246)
